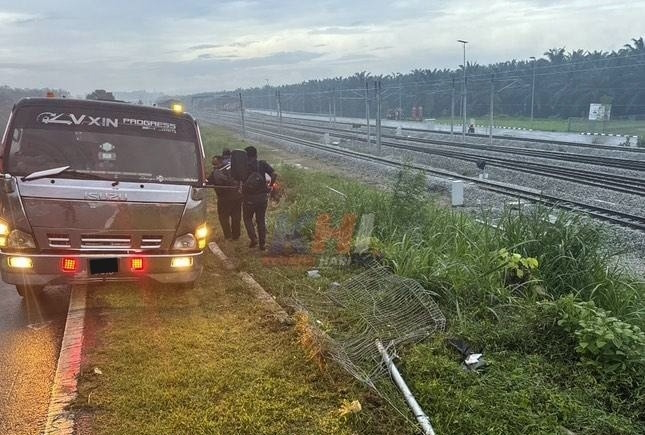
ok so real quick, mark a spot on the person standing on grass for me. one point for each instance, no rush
(255, 191)
(229, 198)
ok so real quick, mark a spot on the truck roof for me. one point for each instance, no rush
(68, 103)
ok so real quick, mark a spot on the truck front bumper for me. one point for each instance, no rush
(47, 269)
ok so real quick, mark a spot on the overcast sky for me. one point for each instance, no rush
(190, 46)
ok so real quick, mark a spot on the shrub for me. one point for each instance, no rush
(611, 347)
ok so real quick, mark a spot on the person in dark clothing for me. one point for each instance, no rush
(229, 198)
(255, 191)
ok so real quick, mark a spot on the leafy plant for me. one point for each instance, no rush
(604, 342)
(515, 264)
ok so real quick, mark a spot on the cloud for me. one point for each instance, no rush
(215, 56)
(204, 46)
(7, 18)
(242, 43)
(344, 30)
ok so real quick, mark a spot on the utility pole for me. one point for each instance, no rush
(533, 91)
(463, 131)
(279, 104)
(242, 116)
(377, 88)
(400, 98)
(452, 109)
(492, 98)
(333, 104)
(367, 110)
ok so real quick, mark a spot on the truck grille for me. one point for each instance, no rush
(59, 241)
(105, 242)
(151, 242)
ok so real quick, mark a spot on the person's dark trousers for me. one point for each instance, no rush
(229, 212)
(257, 208)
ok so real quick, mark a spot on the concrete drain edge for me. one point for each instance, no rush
(60, 421)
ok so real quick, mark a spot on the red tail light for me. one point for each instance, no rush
(68, 264)
(136, 264)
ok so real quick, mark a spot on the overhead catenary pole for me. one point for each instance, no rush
(279, 104)
(333, 105)
(533, 91)
(367, 110)
(377, 88)
(492, 98)
(463, 130)
(400, 98)
(452, 109)
(242, 115)
(330, 115)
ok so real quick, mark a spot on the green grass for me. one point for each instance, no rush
(535, 383)
(576, 125)
(210, 361)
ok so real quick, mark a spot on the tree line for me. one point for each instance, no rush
(564, 83)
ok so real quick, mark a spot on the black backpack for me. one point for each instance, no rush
(255, 182)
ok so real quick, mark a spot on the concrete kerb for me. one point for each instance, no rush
(256, 289)
(60, 421)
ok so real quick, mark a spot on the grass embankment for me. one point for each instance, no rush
(562, 334)
(210, 360)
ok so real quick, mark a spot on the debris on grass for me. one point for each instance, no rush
(347, 408)
(311, 340)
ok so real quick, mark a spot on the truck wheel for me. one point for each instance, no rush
(24, 290)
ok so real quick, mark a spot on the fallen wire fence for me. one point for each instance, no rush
(373, 309)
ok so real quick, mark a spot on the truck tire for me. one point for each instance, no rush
(24, 290)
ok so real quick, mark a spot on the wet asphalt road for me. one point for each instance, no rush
(31, 331)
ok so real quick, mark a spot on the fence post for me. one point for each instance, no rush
(242, 116)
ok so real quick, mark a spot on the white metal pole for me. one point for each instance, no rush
(532, 91)
(421, 416)
(463, 131)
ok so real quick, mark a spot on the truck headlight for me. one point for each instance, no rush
(185, 242)
(21, 240)
(201, 233)
(4, 232)
(4, 228)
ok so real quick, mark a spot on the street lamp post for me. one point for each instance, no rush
(463, 130)
(532, 90)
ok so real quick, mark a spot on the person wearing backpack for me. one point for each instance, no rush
(229, 199)
(255, 192)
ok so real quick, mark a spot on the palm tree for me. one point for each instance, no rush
(638, 45)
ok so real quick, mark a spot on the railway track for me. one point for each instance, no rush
(486, 136)
(618, 183)
(631, 164)
(627, 220)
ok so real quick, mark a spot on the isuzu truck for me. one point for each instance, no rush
(95, 191)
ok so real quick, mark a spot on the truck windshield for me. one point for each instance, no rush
(126, 154)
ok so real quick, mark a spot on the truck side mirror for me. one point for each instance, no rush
(8, 183)
(239, 165)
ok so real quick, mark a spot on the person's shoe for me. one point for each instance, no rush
(263, 247)
(253, 244)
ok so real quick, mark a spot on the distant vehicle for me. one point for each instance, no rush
(100, 191)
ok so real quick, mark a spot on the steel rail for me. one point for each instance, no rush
(619, 183)
(627, 220)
